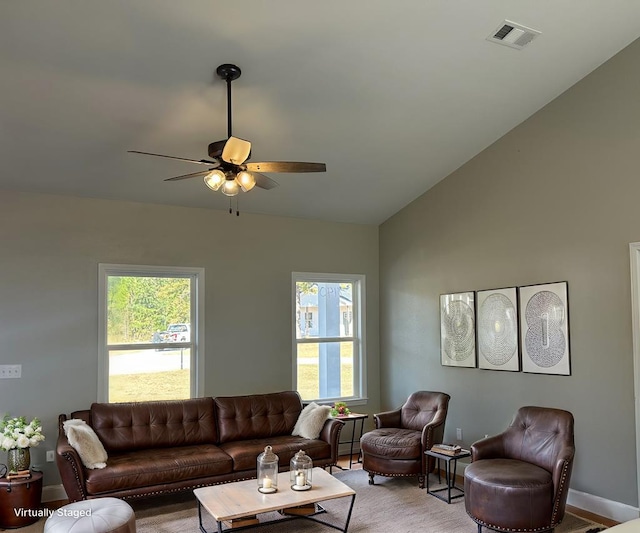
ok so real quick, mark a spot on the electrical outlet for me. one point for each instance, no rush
(10, 371)
(459, 433)
(50, 456)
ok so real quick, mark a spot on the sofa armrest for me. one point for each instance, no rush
(488, 448)
(432, 433)
(70, 466)
(561, 478)
(387, 419)
(331, 434)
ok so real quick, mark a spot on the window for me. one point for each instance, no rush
(328, 336)
(151, 345)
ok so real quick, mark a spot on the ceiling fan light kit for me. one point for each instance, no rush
(245, 180)
(215, 179)
(228, 170)
(230, 188)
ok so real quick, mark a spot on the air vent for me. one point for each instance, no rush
(513, 35)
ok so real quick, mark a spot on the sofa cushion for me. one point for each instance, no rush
(257, 416)
(245, 453)
(85, 441)
(311, 421)
(140, 425)
(146, 468)
(392, 443)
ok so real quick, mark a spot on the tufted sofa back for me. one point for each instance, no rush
(422, 407)
(136, 426)
(539, 435)
(257, 416)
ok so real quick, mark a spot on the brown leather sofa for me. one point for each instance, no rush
(162, 447)
(519, 480)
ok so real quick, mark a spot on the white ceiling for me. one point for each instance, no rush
(392, 96)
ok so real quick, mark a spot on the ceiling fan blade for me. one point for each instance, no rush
(199, 162)
(286, 166)
(236, 151)
(192, 175)
(264, 182)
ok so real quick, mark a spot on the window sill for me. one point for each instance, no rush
(348, 401)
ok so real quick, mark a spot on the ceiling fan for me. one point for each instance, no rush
(228, 170)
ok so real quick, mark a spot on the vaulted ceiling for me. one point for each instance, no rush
(392, 96)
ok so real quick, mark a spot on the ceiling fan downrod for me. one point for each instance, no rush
(228, 73)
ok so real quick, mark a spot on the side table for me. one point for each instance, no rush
(20, 501)
(450, 475)
(352, 417)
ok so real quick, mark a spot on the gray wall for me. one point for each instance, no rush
(554, 199)
(50, 247)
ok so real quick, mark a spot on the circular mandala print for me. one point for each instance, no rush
(459, 342)
(497, 336)
(545, 340)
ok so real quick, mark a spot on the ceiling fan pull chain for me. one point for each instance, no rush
(237, 210)
(230, 208)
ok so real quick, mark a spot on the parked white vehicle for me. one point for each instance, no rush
(178, 333)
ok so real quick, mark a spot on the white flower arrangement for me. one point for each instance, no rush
(16, 433)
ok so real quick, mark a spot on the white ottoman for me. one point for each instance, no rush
(633, 526)
(102, 515)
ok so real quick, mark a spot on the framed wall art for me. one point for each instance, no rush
(544, 329)
(458, 329)
(497, 326)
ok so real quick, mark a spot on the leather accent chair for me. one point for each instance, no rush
(396, 447)
(519, 480)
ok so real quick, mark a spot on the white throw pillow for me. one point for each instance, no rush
(85, 441)
(311, 421)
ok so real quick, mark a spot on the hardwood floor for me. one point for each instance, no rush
(590, 516)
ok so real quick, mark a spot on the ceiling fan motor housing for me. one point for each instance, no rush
(215, 149)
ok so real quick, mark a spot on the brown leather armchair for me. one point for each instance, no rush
(396, 447)
(519, 480)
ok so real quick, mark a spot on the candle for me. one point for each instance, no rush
(300, 479)
(266, 483)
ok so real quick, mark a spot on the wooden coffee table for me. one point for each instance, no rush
(240, 500)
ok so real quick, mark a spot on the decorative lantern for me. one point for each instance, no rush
(267, 471)
(300, 470)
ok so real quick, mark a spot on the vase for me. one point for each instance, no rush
(18, 459)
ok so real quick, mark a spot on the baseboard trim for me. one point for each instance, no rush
(620, 512)
(53, 493)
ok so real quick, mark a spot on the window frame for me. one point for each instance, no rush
(196, 343)
(358, 335)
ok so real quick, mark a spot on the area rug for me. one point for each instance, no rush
(392, 504)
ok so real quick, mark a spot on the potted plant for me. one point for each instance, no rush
(16, 437)
(340, 409)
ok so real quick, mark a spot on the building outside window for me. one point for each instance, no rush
(308, 321)
(150, 334)
(328, 336)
